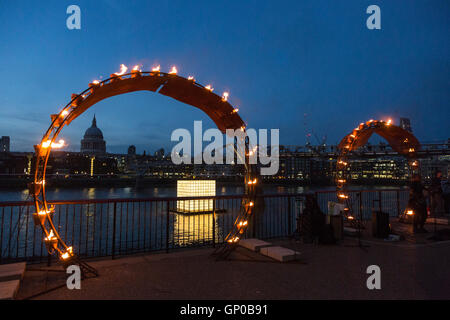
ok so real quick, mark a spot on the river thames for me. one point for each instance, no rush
(20, 194)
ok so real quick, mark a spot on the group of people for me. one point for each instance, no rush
(439, 194)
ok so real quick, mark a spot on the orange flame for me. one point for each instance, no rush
(242, 224)
(123, 69)
(208, 87)
(191, 78)
(173, 70)
(156, 69)
(225, 96)
(51, 236)
(67, 254)
(43, 212)
(56, 145)
(235, 239)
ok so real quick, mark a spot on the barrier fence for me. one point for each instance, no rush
(113, 227)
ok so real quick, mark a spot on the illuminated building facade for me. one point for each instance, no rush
(374, 164)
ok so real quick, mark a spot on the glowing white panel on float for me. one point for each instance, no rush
(196, 188)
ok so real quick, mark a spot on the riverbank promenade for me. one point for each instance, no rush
(414, 268)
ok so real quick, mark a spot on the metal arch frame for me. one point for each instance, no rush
(359, 137)
(224, 119)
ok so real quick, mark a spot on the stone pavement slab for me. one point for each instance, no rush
(8, 289)
(280, 254)
(254, 244)
(12, 271)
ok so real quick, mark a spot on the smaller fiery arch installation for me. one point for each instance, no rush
(186, 90)
(401, 140)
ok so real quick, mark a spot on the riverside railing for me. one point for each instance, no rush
(113, 227)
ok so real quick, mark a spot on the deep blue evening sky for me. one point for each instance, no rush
(278, 59)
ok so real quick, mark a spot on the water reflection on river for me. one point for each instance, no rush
(129, 192)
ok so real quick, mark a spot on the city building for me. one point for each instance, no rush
(132, 150)
(159, 153)
(92, 142)
(405, 123)
(4, 144)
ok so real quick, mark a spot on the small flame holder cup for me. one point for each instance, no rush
(114, 77)
(69, 261)
(76, 100)
(93, 86)
(135, 73)
(56, 119)
(41, 151)
(39, 219)
(51, 244)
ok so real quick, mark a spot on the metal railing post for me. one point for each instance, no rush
(379, 200)
(360, 206)
(289, 217)
(214, 223)
(114, 231)
(167, 227)
(254, 220)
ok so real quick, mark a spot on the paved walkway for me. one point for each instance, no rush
(323, 272)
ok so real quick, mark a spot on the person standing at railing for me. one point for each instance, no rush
(418, 203)
(436, 194)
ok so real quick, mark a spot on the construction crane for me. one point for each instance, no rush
(307, 133)
(322, 143)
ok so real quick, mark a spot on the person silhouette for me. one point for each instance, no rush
(418, 204)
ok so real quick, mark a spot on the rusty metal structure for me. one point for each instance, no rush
(401, 140)
(185, 90)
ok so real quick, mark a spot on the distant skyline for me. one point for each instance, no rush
(278, 59)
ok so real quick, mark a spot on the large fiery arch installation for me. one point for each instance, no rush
(401, 140)
(169, 84)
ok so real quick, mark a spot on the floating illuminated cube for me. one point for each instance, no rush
(196, 188)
